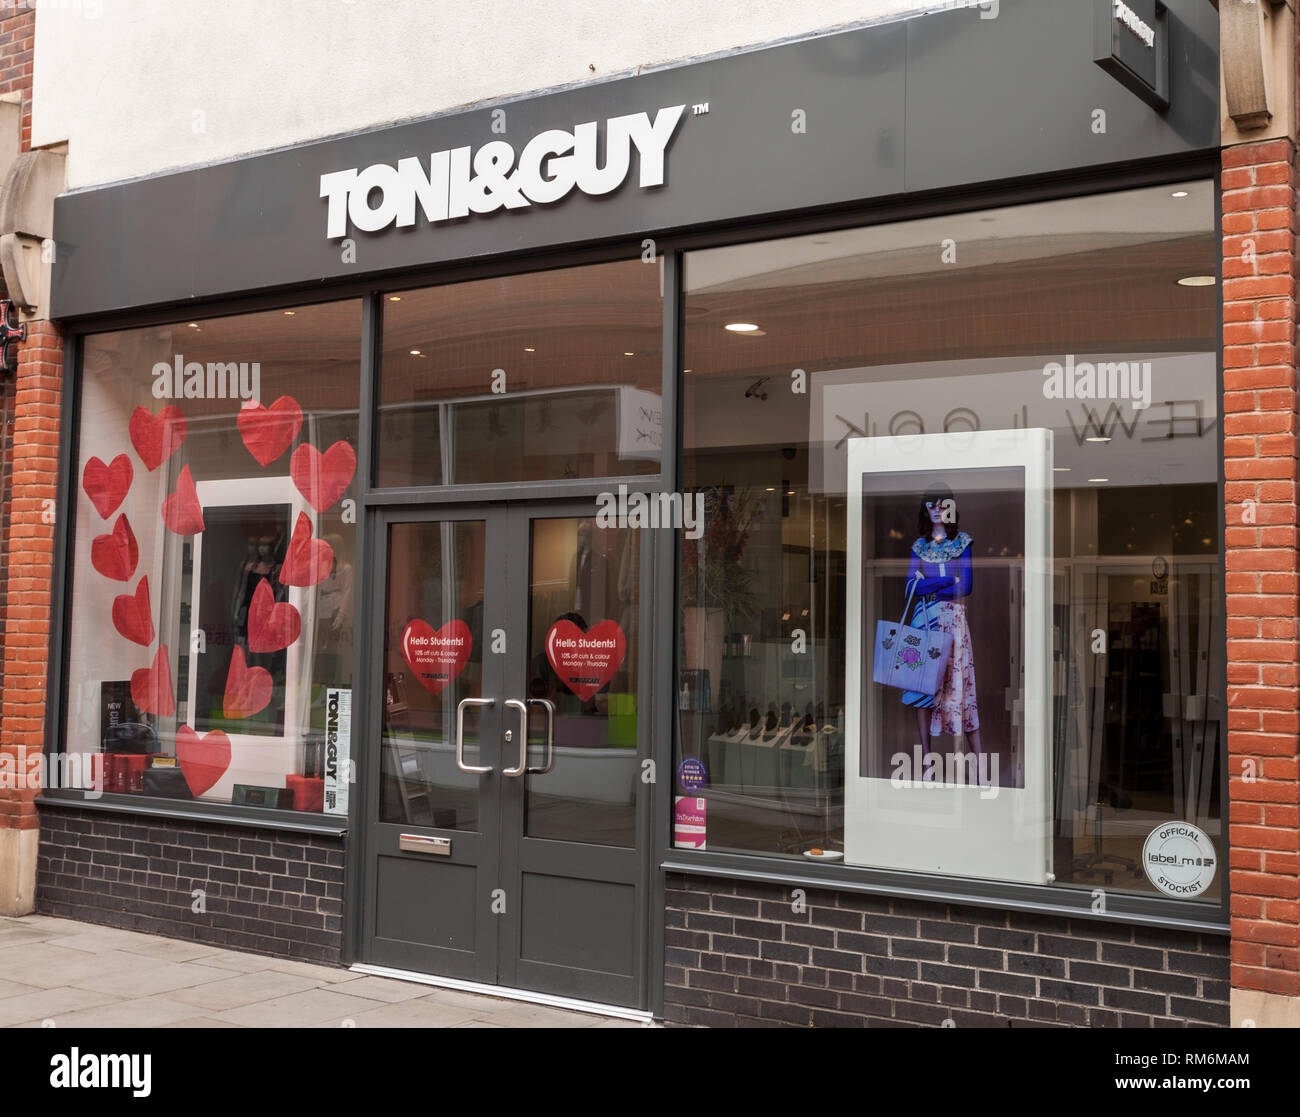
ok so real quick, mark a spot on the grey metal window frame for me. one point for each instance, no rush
(1061, 900)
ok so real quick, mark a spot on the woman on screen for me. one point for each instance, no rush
(940, 574)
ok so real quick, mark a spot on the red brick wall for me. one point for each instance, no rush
(17, 30)
(1263, 563)
(27, 399)
(30, 553)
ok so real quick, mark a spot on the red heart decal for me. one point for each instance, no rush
(308, 561)
(107, 485)
(272, 625)
(436, 657)
(156, 437)
(248, 689)
(203, 760)
(151, 687)
(322, 478)
(181, 511)
(132, 616)
(585, 661)
(268, 431)
(114, 555)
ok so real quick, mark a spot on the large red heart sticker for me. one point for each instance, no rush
(308, 561)
(322, 478)
(585, 661)
(132, 616)
(269, 431)
(248, 689)
(114, 555)
(181, 511)
(151, 687)
(202, 760)
(156, 437)
(272, 625)
(436, 657)
(107, 485)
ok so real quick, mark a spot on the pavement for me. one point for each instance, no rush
(65, 974)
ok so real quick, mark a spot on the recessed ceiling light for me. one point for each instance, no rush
(1098, 438)
(529, 349)
(290, 313)
(416, 353)
(741, 327)
(1197, 281)
(789, 492)
(629, 354)
(1098, 480)
(1179, 194)
(194, 325)
(1060, 469)
(771, 488)
(394, 298)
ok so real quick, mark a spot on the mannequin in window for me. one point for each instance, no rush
(939, 575)
(260, 565)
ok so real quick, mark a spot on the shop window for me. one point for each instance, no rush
(1019, 408)
(212, 578)
(542, 376)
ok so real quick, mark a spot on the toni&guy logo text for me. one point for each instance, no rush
(550, 166)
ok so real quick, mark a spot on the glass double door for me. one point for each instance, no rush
(509, 804)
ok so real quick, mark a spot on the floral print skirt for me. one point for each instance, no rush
(955, 709)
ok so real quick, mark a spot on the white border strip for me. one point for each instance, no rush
(502, 993)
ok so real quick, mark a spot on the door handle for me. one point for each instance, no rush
(550, 735)
(515, 704)
(460, 735)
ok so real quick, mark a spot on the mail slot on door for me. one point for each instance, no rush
(421, 843)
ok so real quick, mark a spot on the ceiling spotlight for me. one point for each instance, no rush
(1179, 194)
(529, 349)
(394, 298)
(629, 354)
(1098, 480)
(741, 327)
(771, 488)
(1098, 438)
(416, 353)
(1197, 281)
(1060, 469)
(193, 325)
(290, 313)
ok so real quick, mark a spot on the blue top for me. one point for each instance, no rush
(942, 569)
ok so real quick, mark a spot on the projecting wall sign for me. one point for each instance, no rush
(1131, 43)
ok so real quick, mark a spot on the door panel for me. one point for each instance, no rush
(537, 882)
(572, 860)
(432, 899)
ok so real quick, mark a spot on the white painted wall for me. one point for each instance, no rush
(140, 86)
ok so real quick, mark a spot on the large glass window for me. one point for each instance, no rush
(963, 541)
(542, 376)
(211, 619)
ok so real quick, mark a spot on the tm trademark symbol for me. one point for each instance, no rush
(700, 109)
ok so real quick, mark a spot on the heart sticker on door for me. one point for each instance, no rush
(436, 657)
(586, 661)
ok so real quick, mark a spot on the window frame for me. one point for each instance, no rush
(1071, 901)
(670, 247)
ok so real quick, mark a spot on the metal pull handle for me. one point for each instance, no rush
(515, 704)
(550, 735)
(460, 735)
